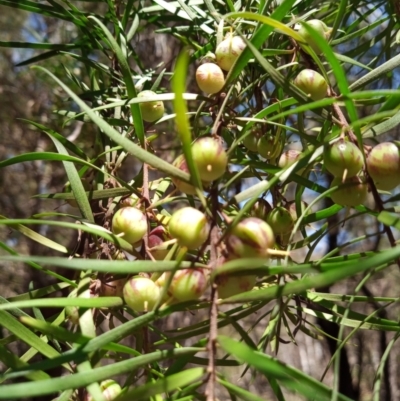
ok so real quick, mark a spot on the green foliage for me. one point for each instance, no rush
(99, 70)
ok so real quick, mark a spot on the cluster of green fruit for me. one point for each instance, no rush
(266, 227)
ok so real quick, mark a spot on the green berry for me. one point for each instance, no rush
(189, 226)
(352, 192)
(312, 84)
(130, 222)
(153, 110)
(228, 51)
(141, 294)
(210, 78)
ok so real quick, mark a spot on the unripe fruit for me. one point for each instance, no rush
(210, 78)
(383, 165)
(320, 27)
(189, 226)
(131, 222)
(110, 388)
(151, 111)
(228, 286)
(341, 156)
(280, 220)
(188, 284)
(210, 158)
(312, 84)
(250, 238)
(260, 209)
(352, 192)
(267, 147)
(141, 294)
(228, 51)
(113, 288)
(189, 189)
(251, 142)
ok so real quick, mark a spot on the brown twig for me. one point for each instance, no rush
(212, 340)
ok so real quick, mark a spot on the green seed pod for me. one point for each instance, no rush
(312, 84)
(383, 165)
(251, 142)
(210, 158)
(228, 51)
(352, 192)
(151, 111)
(131, 222)
(251, 238)
(343, 156)
(288, 158)
(189, 226)
(210, 78)
(141, 294)
(260, 209)
(321, 28)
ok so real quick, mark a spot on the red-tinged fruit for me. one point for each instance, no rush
(352, 192)
(229, 50)
(210, 158)
(280, 220)
(141, 294)
(130, 222)
(228, 285)
(188, 284)
(343, 157)
(250, 238)
(291, 207)
(321, 28)
(157, 238)
(153, 110)
(189, 226)
(113, 288)
(210, 78)
(383, 165)
(312, 84)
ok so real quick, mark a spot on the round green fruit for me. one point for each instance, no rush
(312, 84)
(210, 158)
(210, 78)
(188, 284)
(343, 156)
(267, 148)
(186, 188)
(153, 110)
(352, 192)
(228, 286)
(260, 209)
(189, 226)
(250, 142)
(280, 220)
(229, 50)
(130, 222)
(383, 165)
(157, 238)
(72, 312)
(320, 27)
(250, 238)
(291, 207)
(141, 294)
